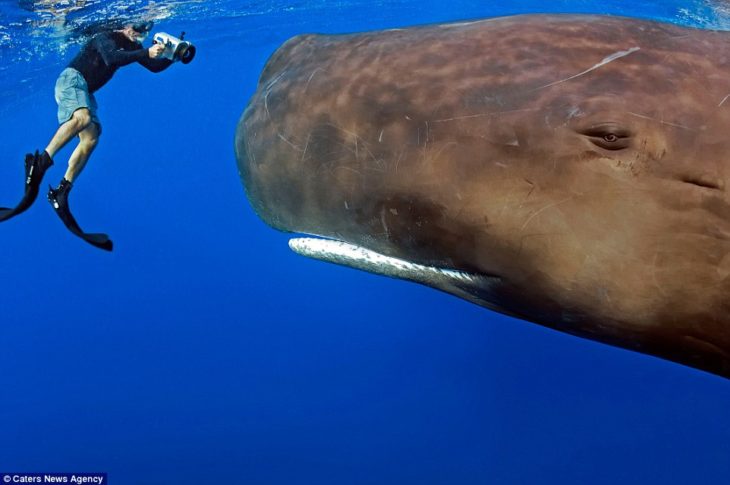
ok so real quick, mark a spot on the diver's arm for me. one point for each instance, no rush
(115, 57)
(155, 65)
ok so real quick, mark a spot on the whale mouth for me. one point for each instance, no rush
(471, 286)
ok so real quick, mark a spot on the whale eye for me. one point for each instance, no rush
(608, 136)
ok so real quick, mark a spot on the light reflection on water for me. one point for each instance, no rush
(59, 22)
(46, 32)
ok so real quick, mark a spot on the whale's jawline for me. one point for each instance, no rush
(473, 287)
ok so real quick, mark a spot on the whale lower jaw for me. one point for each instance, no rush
(469, 286)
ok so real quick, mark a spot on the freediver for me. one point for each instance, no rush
(91, 69)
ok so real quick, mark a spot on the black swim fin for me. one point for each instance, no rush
(36, 166)
(59, 200)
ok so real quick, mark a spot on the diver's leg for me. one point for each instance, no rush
(72, 97)
(79, 121)
(58, 197)
(89, 138)
(37, 164)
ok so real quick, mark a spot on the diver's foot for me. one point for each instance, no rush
(58, 197)
(36, 166)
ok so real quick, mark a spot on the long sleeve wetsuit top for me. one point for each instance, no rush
(106, 52)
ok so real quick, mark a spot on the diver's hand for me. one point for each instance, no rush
(156, 51)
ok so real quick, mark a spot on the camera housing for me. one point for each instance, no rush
(176, 49)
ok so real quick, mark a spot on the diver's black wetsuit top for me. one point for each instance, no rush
(100, 58)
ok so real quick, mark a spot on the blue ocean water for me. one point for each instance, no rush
(203, 351)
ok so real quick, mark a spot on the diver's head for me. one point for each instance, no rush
(137, 31)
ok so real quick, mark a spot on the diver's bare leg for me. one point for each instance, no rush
(58, 197)
(89, 137)
(37, 164)
(80, 120)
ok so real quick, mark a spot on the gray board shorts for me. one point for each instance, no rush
(72, 93)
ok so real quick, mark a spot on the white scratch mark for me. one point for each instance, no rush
(397, 162)
(723, 100)
(549, 206)
(268, 91)
(310, 78)
(306, 145)
(660, 121)
(606, 60)
(380, 138)
(266, 104)
(356, 137)
(482, 115)
(342, 167)
(275, 80)
(441, 150)
(574, 113)
(288, 142)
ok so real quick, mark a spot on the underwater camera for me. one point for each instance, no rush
(176, 49)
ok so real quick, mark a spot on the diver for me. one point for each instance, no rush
(91, 69)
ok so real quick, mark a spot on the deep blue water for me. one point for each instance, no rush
(203, 351)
